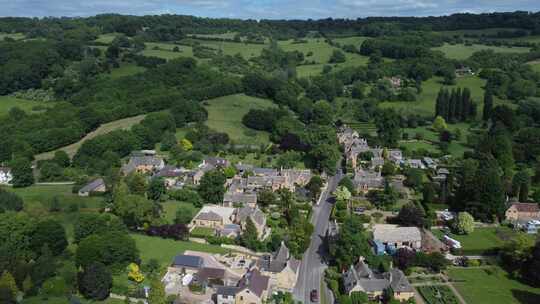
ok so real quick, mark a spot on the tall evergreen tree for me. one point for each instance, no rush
(452, 107)
(488, 104)
(490, 190)
(460, 106)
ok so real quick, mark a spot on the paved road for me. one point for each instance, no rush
(313, 264)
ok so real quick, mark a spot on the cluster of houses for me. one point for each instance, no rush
(525, 216)
(232, 279)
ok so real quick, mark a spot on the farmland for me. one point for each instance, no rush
(461, 51)
(225, 115)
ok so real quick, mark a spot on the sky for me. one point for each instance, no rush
(261, 9)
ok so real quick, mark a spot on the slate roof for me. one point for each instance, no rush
(215, 213)
(169, 171)
(246, 198)
(265, 171)
(92, 185)
(361, 275)
(255, 213)
(227, 290)
(190, 261)
(210, 273)
(526, 207)
(255, 282)
(217, 161)
(394, 234)
(209, 216)
(399, 282)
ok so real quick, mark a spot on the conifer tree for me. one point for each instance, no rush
(488, 104)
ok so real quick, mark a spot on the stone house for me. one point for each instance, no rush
(282, 268)
(397, 237)
(226, 294)
(253, 288)
(97, 185)
(523, 212)
(213, 216)
(365, 180)
(186, 264)
(257, 217)
(143, 164)
(361, 278)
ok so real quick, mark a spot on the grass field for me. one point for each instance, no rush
(482, 240)
(125, 123)
(170, 207)
(247, 50)
(354, 40)
(227, 35)
(126, 70)
(8, 102)
(106, 38)
(461, 51)
(481, 285)
(425, 104)
(431, 138)
(16, 36)
(164, 250)
(225, 115)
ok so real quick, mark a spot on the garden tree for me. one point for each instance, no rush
(504, 115)
(6, 296)
(464, 223)
(388, 169)
(134, 273)
(266, 197)
(61, 158)
(186, 144)
(288, 160)
(467, 186)
(8, 283)
(411, 215)
(136, 183)
(323, 114)
(112, 249)
(286, 204)
(404, 258)
(95, 282)
(342, 194)
(325, 157)
(455, 106)
(134, 210)
(352, 243)
(348, 184)
(91, 223)
(413, 178)
(337, 57)
(186, 195)
(15, 231)
(498, 142)
(44, 267)
(21, 169)
(322, 150)
(249, 237)
(157, 292)
(359, 297)
(50, 171)
(229, 172)
(521, 184)
(50, 233)
(366, 156)
(489, 193)
(439, 124)
(531, 269)
(516, 252)
(299, 234)
(184, 214)
(428, 193)
(212, 187)
(178, 232)
(358, 90)
(10, 201)
(388, 127)
(156, 189)
(488, 104)
(186, 111)
(168, 140)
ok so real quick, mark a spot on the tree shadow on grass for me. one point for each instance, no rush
(526, 297)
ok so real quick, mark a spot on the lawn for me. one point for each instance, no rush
(354, 40)
(247, 50)
(164, 250)
(225, 115)
(123, 124)
(170, 207)
(482, 285)
(227, 35)
(461, 51)
(431, 294)
(482, 240)
(431, 139)
(202, 232)
(106, 38)
(425, 104)
(126, 70)
(29, 106)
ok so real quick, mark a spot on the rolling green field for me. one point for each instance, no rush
(106, 38)
(8, 102)
(122, 124)
(425, 104)
(431, 139)
(354, 40)
(482, 240)
(165, 50)
(461, 51)
(126, 70)
(482, 285)
(247, 50)
(225, 115)
(227, 35)
(16, 36)
(164, 250)
(170, 207)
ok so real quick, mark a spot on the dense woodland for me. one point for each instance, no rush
(61, 60)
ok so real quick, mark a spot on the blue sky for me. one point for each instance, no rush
(259, 9)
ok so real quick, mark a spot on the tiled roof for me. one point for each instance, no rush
(526, 207)
(188, 261)
(255, 282)
(92, 185)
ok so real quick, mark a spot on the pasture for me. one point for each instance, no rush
(491, 285)
(121, 124)
(126, 70)
(425, 103)
(461, 51)
(16, 36)
(29, 106)
(225, 115)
